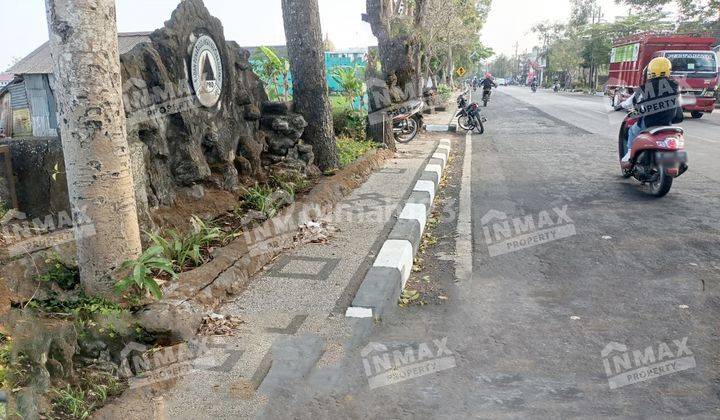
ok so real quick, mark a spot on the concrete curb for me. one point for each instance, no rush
(383, 283)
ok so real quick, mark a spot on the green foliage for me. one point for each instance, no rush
(351, 150)
(347, 121)
(143, 269)
(184, 250)
(351, 83)
(3, 210)
(275, 73)
(290, 182)
(60, 273)
(5, 349)
(93, 390)
(261, 198)
(582, 42)
(445, 92)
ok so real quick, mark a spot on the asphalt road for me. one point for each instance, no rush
(593, 300)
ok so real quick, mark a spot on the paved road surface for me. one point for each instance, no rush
(633, 284)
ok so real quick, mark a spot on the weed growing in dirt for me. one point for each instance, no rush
(351, 150)
(143, 271)
(185, 250)
(260, 198)
(66, 276)
(91, 392)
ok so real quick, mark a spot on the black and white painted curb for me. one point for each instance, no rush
(383, 283)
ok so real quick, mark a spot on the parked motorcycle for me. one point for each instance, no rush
(407, 121)
(469, 116)
(658, 155)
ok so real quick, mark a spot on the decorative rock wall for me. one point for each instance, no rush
(189, 144)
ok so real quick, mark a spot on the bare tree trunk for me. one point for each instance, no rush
(310, 90)
(84, 45)
(451, 67)
(395, 53)
(379, 123)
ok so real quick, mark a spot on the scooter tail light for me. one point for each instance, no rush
(672, 143)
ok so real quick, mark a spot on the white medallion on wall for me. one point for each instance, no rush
(207, 71)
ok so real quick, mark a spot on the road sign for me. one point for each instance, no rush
(461, 71)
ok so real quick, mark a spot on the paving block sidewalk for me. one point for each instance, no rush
(294, 311)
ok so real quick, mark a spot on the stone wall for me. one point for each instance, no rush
(39, 170)
(188, 144)
(178, 145)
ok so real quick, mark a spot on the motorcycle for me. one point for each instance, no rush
(658, 155)
(486, 97)
(407, 121)
(533, 87)
(469, 116)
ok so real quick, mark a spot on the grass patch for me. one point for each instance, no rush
(351, 150)
(66, 276)
(91, 392)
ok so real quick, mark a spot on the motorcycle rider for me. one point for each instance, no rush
(487, 84)
(657, 101)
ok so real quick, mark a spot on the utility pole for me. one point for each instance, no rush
(597, 16)
(517, 60)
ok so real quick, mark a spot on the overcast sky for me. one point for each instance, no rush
(510, 21)
(259, 22)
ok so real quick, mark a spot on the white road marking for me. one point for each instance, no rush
(463, 242)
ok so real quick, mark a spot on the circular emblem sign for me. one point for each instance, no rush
(207, 72)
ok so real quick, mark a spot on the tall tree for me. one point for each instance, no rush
(84, 46)
(310, 91)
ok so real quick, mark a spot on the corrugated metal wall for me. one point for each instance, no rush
(18, 96)
(39, 96)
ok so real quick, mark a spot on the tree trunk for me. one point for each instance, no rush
(397, 53)
(310, 90)
(84, 46)
(379, 124)
(451, 68)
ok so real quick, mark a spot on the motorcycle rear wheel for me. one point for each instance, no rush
(478, 125)
(409, 132)
(662, 185)
(464, 122)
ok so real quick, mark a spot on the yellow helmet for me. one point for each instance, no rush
(659, 67)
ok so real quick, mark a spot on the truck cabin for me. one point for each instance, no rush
(692, 64)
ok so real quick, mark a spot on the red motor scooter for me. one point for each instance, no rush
(658, 155)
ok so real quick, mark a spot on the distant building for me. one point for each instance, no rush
(27, 101)
(5, 79)
(339, 58)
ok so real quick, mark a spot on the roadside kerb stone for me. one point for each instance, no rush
(383, 283)
(202, 290)
(407, 228)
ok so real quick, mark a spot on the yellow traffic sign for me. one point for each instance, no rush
(461, 71)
